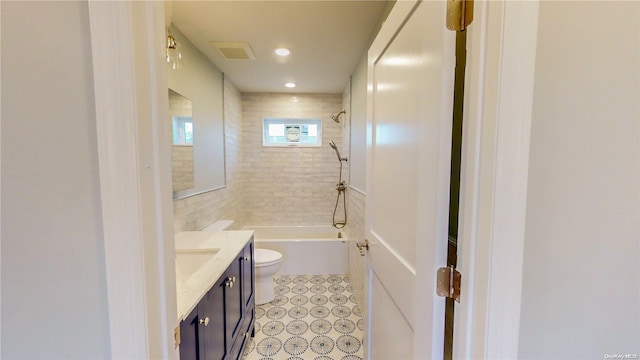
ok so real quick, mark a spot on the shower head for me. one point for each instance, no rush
(335, 147)
(336, 118)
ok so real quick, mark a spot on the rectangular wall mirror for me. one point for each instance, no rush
(203, 84)
(180, 114)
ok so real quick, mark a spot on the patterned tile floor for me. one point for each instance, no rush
(313, 317)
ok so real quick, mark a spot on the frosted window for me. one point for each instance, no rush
(292, 132)
(276, 129)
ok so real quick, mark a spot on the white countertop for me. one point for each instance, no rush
(198, 268)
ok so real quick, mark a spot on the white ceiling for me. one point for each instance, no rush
(327, 38)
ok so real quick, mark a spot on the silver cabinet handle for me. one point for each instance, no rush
(229, 282)
(204, 321)
(245, 258)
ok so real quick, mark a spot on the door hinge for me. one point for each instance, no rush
(459, 14)
(449, 283)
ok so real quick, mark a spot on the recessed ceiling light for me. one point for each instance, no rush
(282, 51)
(290, 85)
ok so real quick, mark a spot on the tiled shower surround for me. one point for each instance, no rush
(289, 185)
(355, 208)
(355, 233)
(270, 186)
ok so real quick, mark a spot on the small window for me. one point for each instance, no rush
(291, 132)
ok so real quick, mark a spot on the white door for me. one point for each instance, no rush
(411, 76)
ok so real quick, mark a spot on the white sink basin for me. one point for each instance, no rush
(188, 262)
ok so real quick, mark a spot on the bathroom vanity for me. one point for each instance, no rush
(215, 283)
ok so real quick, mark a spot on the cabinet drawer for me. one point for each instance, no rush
(244, 335)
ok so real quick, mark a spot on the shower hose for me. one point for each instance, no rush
(341, 188)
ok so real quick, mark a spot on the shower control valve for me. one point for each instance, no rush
(363, 247)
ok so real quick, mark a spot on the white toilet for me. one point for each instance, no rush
(218, 225)
(267, 263)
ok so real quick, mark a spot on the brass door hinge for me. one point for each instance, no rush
(449, 280)
(459, 14)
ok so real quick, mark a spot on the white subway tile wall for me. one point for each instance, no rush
(182, 167)
(345, 123)
(355, 208)
(195, 212)
(356, 217)
(289, 186)
(356, 233)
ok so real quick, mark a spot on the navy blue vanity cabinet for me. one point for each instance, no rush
(222, 322)
(200, 334)
(211, 311)
(245, 330)
(248, 276)
(233, 300)
(189, 348)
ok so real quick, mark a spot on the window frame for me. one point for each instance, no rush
(290, 122)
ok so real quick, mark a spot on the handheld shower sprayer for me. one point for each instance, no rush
(335, 147)
(341, 187)
(336, 118)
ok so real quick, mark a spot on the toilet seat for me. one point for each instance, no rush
(266, 257)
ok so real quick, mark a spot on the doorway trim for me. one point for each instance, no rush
(493, 190)
(127, 40)
(497, 117)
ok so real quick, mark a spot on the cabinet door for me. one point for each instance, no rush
(211, 322)
(248, 276)
(233, 299)
(189, 343)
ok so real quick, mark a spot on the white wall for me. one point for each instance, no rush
(581, 295)
(54, 296)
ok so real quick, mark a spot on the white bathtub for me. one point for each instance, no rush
(306, 250)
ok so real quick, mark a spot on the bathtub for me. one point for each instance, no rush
(306, 250)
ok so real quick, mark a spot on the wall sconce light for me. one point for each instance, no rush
(174, 56)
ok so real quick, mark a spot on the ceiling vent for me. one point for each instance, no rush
(234, 50)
